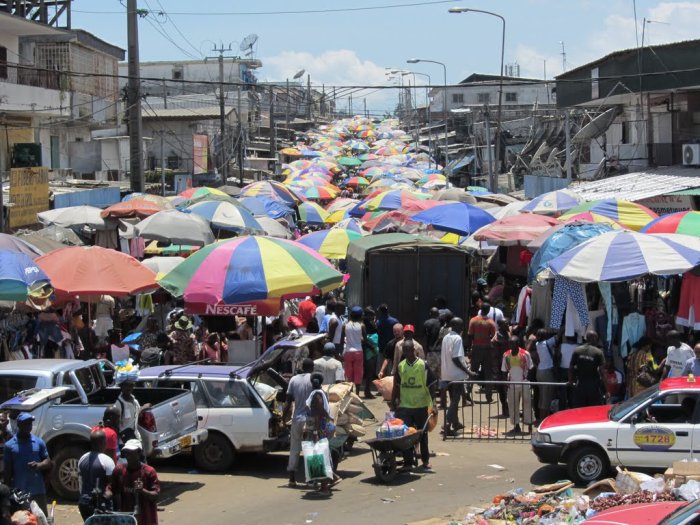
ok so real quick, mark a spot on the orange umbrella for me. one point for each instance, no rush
(132, 208)
(92, 270)
(516, 230)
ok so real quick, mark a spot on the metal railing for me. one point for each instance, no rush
(27, 76)
(511, 403)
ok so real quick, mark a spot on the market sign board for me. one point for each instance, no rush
(243, 310)
(29, 195)
(663, 204)
(200, 153)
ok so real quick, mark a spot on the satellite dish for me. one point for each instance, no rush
(299, 74)
(596, 127)
(248, 42)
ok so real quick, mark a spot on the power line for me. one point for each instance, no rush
(299, 12)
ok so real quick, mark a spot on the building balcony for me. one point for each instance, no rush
(26, 90)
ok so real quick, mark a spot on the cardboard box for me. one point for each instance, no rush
(686, 468)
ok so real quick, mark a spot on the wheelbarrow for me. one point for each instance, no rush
(384, 451)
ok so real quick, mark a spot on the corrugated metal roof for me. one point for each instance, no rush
(640, 185)
(691, 191)
(184, 113)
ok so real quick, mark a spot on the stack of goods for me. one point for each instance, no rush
(347, 409)
(392, 428)
(126, 371)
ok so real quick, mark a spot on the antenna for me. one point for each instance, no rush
(563, 55)
(248, 43)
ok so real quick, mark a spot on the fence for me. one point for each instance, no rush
(27, 76)
(484, 420)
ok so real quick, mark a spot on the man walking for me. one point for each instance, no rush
(411, 399)
(408, 332)
(516, 363)
(136, 485)
(26, 459)
(480, 335)
(692, 365)
(385, 326)
(298, 391)
(587, 372)
(95, 470)
(453, 368)
(328, 366)
(677, 355)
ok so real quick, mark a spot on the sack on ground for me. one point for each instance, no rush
(385, 387)
(317, 460)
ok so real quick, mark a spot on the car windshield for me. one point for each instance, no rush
(687, 514)
(620, 410)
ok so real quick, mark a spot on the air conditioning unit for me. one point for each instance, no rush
(691, 154)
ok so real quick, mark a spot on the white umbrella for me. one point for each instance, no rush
(273, 228)
(162, 265)
(508, 210)
(175, 227)
(74, 216)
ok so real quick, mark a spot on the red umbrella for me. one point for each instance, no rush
(516, 230)
(132, 208)
(92, 270)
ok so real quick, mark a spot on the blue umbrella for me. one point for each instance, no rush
(309, 153)
(566, 236)
(553, 202)
(227, 216)
(18, 276)
(264, 206)
(455, 217)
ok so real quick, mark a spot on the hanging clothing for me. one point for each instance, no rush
(541, 301)
(107, 239)
(524, 307)
(689, 306)
(137, 247)
(569, 298)
(634, 326)
(611, 309)
(144, 304)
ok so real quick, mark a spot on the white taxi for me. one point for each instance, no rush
(652, 430)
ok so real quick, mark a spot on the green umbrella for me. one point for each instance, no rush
(349, 161)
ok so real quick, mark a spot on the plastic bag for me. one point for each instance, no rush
(656, 485)
(690, 491)
(628, 482)
(317, 460)
(385, 387)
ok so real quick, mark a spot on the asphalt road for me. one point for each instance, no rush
(255, 491)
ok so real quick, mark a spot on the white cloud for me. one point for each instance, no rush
(339, 67)
(532, 62)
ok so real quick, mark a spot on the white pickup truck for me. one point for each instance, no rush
(68, 397)
(652, 430)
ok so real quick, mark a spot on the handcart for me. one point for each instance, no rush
(384, 452)
(112, 518)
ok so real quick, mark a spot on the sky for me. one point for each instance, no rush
(355, 47)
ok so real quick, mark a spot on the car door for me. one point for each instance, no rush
(198, 393)
(659, 432)
(236, 411)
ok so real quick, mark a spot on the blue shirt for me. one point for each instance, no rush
(691, 366)
(385, 329)
(19, 452)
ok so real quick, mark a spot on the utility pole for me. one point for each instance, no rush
(567, 136)
(364, 103)
(273, 125)
(134, 99)
(308, 96)
(241, 142)
(223, 161)
(350, 105)
(492, 181)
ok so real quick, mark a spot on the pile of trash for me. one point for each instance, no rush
(557, 504)
(347, 410)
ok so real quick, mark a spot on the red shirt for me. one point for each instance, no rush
(307, 310)
(482, 330)
(123, 480)
(112, 441)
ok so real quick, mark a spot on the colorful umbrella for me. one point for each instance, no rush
(227, 216)
(349, 161)
(201, 192)
(249, 269)
(262, 206)
(515, 230)
(14, 244)
(338, 216)
(630, 214)
(324, 193)
(156, 199)
(272, 190)
(356, 182)
(387, 200)
(455, 217)
(623, 255)
(291, 152)
(312, 213)
(553, 203)
(350, 224)
(132, 208)
(594, 218)
(19, 276)
(175, 227)
(685, 222)
(342, 203)
(332, 243)
(165, 249)
(92, 270)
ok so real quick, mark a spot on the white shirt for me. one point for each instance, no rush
(567, 350)
(106, 462)
(676, 357)
(545, 353)
(320, 314)
(353, 336)
(496, 315)
(130, 413)
(330, 368)
(451, 347)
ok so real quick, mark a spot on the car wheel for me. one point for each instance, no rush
(587, 464)
(216, 454)
(64, 475)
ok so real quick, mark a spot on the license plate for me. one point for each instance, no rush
(186, 441)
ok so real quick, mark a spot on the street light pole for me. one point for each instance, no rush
(444, 71)
(427, 107)
(500, 82)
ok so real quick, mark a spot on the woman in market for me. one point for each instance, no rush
(320, 424)
(642, 368)
(211, 349)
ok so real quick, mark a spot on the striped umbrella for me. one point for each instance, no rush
(312, 213)
(352, 225)
(553, 203)
(515, 230)
(203, 191)
(387, 200)
(332, 243)
(685, 222)
(630, 214)
(594, 218)
(271, 189)
(227, 216)
(323, 193)
(249, 269)
(623, 255)
(356, 182)
(455, 217)
(342, 203)
(338, 216)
